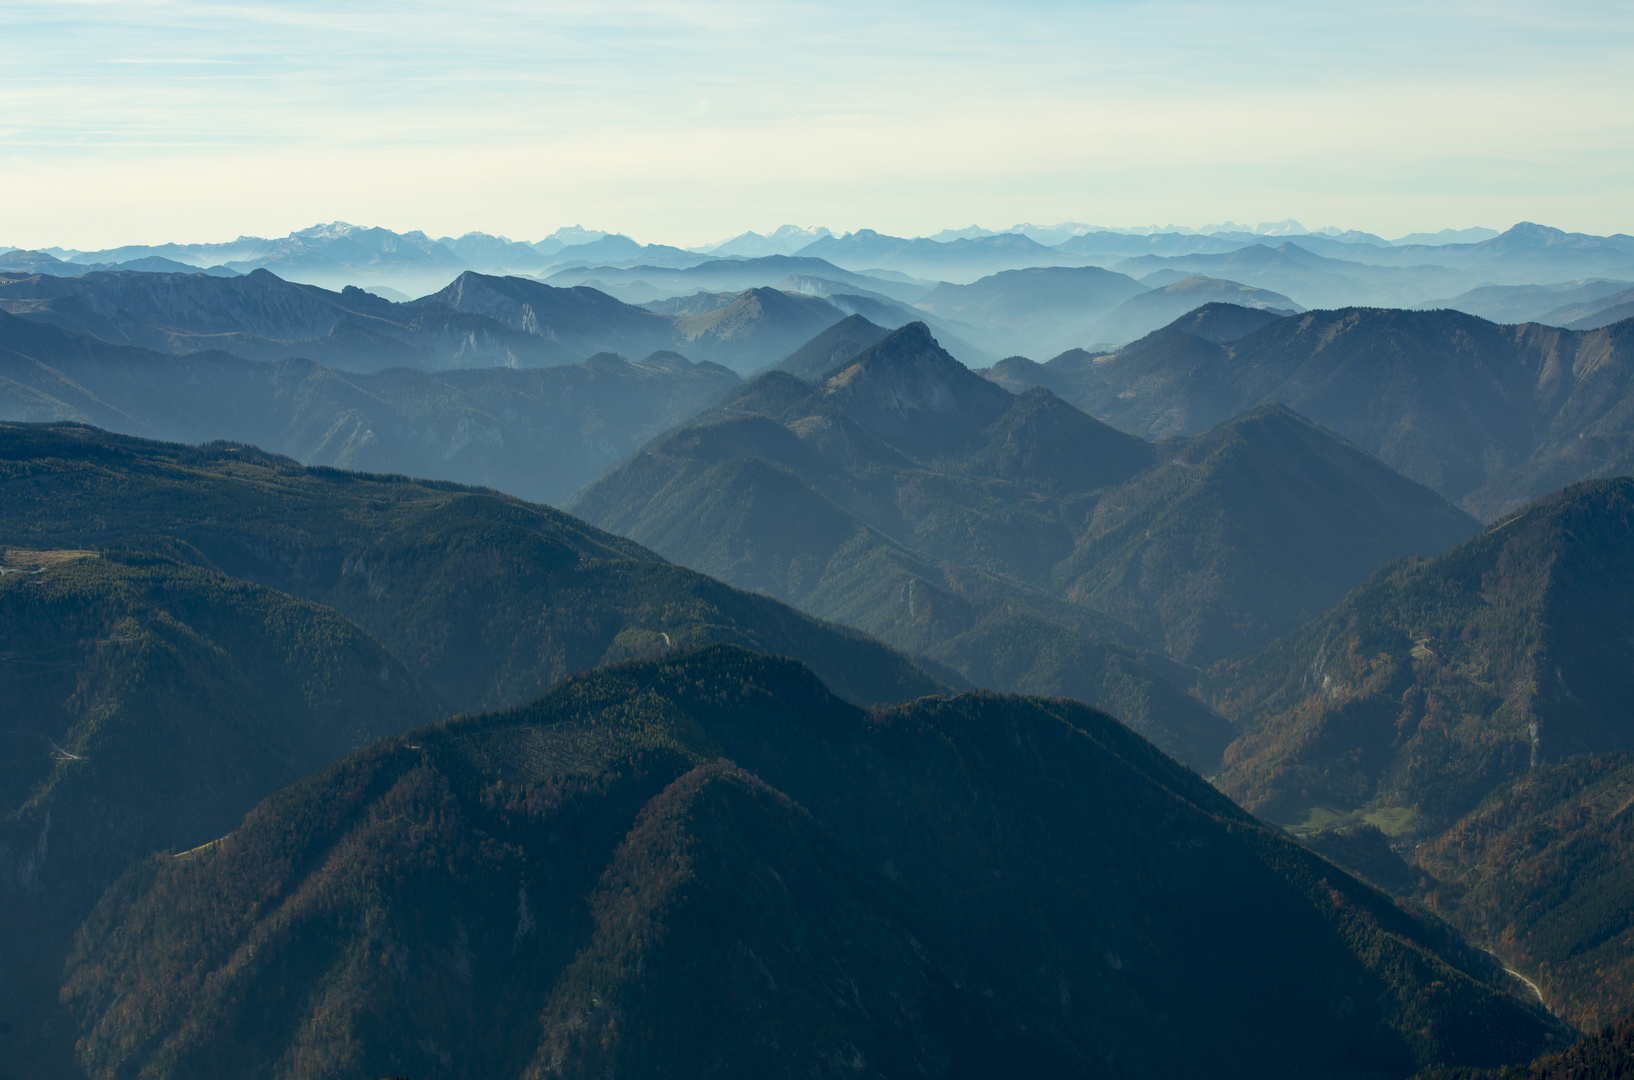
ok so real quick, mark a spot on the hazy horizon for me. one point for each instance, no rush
(677, 123)
(1270, 231)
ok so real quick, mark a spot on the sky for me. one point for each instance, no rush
(144, 121)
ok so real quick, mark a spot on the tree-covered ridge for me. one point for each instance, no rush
(712, 863)
(1245, 531)
(907, 496)
(1440, 679)
(1474, 707)
(1608, 1055)
(909, 441)
(1544, 869)
(1489, 416)
(145, 705)
(486, 599)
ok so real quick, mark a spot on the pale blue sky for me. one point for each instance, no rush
(142, 120)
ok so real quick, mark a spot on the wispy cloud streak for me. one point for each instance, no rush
(688, 120)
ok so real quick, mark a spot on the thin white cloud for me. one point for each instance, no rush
(685, 120)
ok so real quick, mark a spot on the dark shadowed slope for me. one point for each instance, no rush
(1247, 531)
(537, 433)
(1043, 443)
(909, 392)
(1483, 641)
(1543, 869)
(1475, 706)
(1607, 1055)
(486, 599)
(712, 865)
(1219, 322)
(145, 704)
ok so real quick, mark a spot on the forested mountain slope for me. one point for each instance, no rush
(756, 325)
(1542, 869)
(906, 495)
(1605, 1055)
(485, 598)
(1491, 417)
(146, 703)
(1475, 706)
(712, 864)
(1510, 649)
(1244, 531)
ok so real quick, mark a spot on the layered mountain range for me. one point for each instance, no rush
(313, 769)
(1305, 270)
(527, 892)
(475, 322)
(188, 630)
(1049, 310)
(1452, 729)
(904, 494)
(1489, 416)
(538, 432)
(1574, 305)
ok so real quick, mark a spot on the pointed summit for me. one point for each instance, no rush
(910, 392)
(837, 345)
